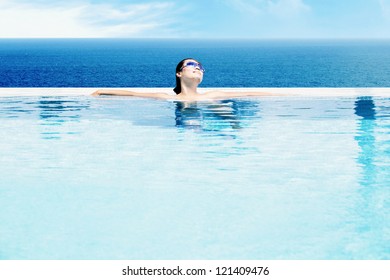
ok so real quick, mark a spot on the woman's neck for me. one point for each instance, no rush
(189, 89)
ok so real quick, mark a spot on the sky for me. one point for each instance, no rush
(251, 19)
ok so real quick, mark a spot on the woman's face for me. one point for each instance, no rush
(191, 70)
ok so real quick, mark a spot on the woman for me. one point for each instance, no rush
(189, 74)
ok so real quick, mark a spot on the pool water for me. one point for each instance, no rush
(261, 178)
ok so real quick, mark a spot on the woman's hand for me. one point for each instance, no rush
(96, 93)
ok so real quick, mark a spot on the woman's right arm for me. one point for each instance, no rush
(118, 92)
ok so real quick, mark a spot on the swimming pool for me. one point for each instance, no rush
(263, 178)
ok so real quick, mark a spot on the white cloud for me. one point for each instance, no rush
(84, 19)
(131, 20)
(277, 8)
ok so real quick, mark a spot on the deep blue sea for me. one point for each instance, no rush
(228, 63)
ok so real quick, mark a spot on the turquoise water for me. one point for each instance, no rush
(123, 178)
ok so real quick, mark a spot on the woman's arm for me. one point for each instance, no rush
(118, 92)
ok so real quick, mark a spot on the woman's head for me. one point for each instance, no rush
(183, 70)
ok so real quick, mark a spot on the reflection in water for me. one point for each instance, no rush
(13, 109)
(214, 116)
(365, 109)
(373, 158)
(56, 111)
(366, 209)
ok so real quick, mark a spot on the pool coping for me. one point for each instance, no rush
(305, 92)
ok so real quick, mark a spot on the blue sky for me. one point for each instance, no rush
(260, 19)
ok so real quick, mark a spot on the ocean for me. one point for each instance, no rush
(228, 63)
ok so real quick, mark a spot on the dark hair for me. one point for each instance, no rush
(177, 89)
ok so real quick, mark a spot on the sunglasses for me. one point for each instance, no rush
(194, 65)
